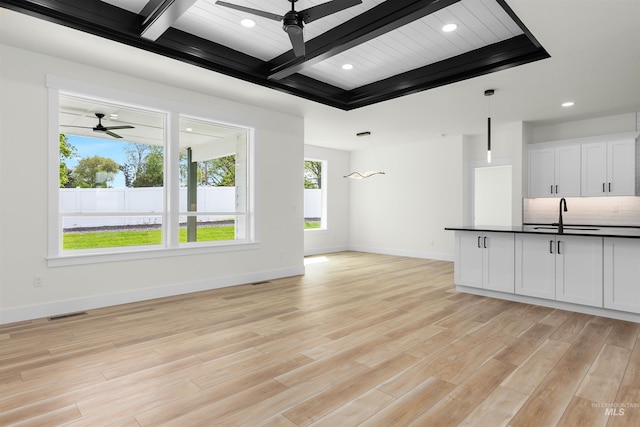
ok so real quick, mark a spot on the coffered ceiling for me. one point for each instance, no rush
(395, 47)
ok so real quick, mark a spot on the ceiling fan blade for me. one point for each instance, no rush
(325, 9)
(115, 135)
(119, 127)
(251, 10)
(297, 41)
(81, 127)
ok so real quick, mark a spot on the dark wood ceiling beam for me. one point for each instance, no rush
(499, 56)
(162, 16)
(385, 17)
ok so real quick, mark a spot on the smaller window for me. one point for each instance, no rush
(315, 209)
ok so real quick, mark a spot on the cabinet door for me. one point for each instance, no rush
(579, 270)
(621, 168)
(535, 266)
(622, 274)
(541, 172)
(567, 171)
(594, 169)
(468, 259)
(498, 261)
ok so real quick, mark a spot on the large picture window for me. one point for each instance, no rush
(128, 182)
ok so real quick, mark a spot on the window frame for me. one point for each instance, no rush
(324, 224)
(171, 246)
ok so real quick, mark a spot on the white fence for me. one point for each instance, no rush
(123, 200)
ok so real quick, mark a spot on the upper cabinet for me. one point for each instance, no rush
(595, 166)
(609, 168)
(554, 172)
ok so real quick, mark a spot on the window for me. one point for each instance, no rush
(125, 184)
(315, 216)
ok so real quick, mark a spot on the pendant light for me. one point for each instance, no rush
(489, 92)
(368, 174)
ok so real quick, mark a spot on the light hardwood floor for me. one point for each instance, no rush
(361, 339)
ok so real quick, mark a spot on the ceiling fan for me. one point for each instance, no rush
(293, 21)
(103, 129)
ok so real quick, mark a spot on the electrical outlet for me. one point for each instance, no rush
(38, 282)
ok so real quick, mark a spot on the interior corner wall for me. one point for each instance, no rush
(335, 237)
(405, 211)
(278, 165)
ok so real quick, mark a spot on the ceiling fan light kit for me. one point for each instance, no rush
(293, 21)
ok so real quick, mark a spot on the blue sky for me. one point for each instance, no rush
(89, 147)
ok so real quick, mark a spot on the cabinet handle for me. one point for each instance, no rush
(552, 189)
(559, 241)
(609, 187)
(479, 237)
(556, 188)
(603, 190)
(550, 246)
(485, 242)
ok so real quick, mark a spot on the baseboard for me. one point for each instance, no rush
(321, 251)
(400, 252)
(595, 311)
(19, 314)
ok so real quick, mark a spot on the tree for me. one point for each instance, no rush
(136, 154)
(312, 174)
(151, 171)
(67, 151)
(220, 172)
(95, 172)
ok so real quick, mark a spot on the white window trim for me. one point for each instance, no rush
(57, 258)
(324, 226)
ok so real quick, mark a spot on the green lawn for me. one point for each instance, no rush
(311, 224)
(110, 239)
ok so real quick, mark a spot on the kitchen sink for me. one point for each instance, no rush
(553, 227)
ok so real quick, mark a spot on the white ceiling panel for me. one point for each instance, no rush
(419, 43)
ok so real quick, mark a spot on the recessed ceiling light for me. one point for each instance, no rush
(248, 23)
(449, 27)
(347, 67)
(113, 116)
(568, 104)
(188, 129)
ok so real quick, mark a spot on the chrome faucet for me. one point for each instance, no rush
(560, 222)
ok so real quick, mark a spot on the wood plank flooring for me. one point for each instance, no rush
(361, 339)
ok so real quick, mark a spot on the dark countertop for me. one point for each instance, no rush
(569, 230)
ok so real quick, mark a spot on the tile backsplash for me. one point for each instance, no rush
(622, 211)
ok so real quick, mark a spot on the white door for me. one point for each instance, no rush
(621, 168)
(498, 261)
(468, 259)
(622, 274)
(594, 169)
(542, 172)
(492, 195)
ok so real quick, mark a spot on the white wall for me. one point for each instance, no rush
(405, 211)
(23, 226)
(605, 125)
(336, 236)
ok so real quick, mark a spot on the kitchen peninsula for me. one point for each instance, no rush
(587, 268)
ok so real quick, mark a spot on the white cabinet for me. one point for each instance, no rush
(560, 267)
(579, 270)
(484, 260)
(609, 168)
(554, 172)
(622, 274)
(535, 268)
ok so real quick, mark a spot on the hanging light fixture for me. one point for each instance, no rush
(489, 92)
(363, 175)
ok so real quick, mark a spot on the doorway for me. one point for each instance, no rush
(492, 195)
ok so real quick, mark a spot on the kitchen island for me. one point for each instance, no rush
(587, 268)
